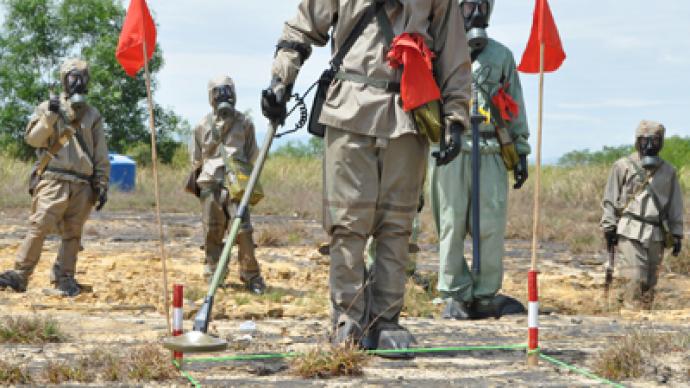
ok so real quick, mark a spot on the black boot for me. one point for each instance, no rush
(256, 285)
(12, 280)
(67, 286)
(392, 336)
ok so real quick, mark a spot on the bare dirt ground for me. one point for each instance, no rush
(122, 266)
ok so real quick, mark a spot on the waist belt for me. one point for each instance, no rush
(641, 219)
(389, 86)
(486, 135)
(68, 172)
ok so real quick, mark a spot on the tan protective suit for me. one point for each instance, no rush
(374, 158)
(65, 193)
(236, 135)
(629, 207)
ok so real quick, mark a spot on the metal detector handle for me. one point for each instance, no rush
(609, 266)
(476, 119)
(203, 316)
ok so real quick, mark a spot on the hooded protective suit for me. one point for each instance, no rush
(218, 136)
(67, 189)
(493, 69)
(374, 158)
(638, 203)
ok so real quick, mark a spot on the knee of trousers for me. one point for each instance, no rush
(41, 224)
(72, 229)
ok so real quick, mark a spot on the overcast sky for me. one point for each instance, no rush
(627, 60)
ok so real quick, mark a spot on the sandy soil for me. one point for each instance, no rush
(122, 266)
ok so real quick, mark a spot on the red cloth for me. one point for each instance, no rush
(544, 30)
(506, 104)
(418, 85)
(138, 27)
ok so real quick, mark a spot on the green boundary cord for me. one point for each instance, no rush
(273, 356)
(579, 371)
(189, 377)
(255, 357)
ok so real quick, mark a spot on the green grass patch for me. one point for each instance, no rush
(30, 330)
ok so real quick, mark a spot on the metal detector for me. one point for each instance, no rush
(197, 340)
(476, 119)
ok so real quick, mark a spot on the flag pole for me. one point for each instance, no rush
(533, 351)
(154, 162)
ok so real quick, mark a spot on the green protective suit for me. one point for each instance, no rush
(451, 187)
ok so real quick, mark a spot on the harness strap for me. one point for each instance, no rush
(389, 86)
(69, 172)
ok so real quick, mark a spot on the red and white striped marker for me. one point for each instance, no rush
(178, 293)
(532, 312)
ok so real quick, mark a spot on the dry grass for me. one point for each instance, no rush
(418, 301)
(144, 363)
(571, 205)
(11, 374)
(637, 352)
(330, 361)
(279, 235)
(30, 330)
(58, 372)
(150, 363)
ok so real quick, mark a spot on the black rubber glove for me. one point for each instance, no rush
(677, 245)
(611, 237)
(102, 198)
(274, 103)
(420, 206)
(448, 152)
(54, 104)
(521, 173)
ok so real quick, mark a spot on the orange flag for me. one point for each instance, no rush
(137, 29)
(417, 86)
(544, 31)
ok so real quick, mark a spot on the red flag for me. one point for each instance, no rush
(417, 86)
(137, 29)
(544, 30)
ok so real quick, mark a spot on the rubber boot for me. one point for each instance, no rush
(393, 336)
(12, 280)
(496, 307)
(346, 331)
(455, 310)
(55, 273)
(67, 286)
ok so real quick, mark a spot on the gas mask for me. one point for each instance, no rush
(476, 14)
(76, 87)
(224, 100)
(649, 147)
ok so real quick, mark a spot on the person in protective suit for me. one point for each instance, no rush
(374, 159)
(642, 214)
(223, 140)
(503, 146)
(74, 179)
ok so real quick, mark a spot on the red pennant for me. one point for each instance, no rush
(417, 86)
(137, 29)
(544, 30)
(506, 104)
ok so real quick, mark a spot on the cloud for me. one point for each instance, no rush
(620, 103)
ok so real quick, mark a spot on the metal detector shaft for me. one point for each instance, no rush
(204, 315)
(609, 269)
(476, 119)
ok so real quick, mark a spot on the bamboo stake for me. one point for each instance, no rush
(154, 161)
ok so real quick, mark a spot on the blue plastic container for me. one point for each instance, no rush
(123, 172)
